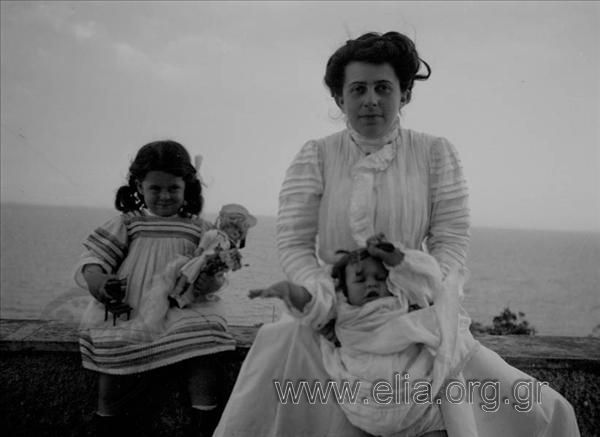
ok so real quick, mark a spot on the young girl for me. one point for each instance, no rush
(158, 222)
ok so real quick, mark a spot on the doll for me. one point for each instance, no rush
(215, 255)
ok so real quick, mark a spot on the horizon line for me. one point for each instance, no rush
(274, 216)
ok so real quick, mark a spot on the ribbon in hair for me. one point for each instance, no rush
(197, 163)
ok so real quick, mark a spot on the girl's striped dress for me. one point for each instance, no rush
(139, 246)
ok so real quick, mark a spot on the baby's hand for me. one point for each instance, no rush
(294, 296)
(379, 247)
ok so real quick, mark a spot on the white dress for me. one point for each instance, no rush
(413, 190)
(148, 251)
(386, 347)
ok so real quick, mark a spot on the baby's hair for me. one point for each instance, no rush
(338, 272)
(167, 156)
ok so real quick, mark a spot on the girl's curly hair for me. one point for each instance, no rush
(167, 156)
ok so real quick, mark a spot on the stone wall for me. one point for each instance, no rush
(46, 392)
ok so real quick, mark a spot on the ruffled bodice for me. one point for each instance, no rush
(363, 195)
(411, 188)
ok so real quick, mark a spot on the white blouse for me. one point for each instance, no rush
(335, 195)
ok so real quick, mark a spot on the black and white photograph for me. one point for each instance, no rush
(300, 218)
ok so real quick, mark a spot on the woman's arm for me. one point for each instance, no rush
(297, 220)
(294, 296)
(297, 226)
(449, 224)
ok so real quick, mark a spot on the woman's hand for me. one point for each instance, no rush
(379, 247)
(294, 296)
(328, 331)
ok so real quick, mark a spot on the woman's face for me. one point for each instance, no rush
(163, 193)
(371, 97)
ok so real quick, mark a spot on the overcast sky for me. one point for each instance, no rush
(515, 87)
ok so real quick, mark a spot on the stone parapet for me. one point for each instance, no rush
(46, 392)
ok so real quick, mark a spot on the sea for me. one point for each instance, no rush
(552, 277)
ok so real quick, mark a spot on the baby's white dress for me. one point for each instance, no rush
(401, 353)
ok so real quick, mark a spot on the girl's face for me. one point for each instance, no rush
(371, 97)
(366, 281)
(163, 193)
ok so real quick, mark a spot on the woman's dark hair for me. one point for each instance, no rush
(338, 271)
(167, 156)
(393, 48)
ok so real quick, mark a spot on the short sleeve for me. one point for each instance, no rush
(449, 229)
(106, 246)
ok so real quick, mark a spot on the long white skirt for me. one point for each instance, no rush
(288, 351)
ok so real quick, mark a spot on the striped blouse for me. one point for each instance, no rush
(137, 245)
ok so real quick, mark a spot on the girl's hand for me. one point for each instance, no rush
(206, 284)
(294, 296)
(379, 247)
(232, 258)
(115, 288)
(102, 286)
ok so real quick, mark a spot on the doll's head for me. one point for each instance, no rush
(360, 277)
(162, 179)
(235, 220)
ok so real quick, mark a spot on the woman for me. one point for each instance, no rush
(372, 177)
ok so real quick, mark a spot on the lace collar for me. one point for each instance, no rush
(371, 145)
(362, 198)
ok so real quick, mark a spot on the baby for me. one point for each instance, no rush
(216, 254)
(388, 330)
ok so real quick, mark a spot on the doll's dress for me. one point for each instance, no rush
(211, 241)
(148, 251)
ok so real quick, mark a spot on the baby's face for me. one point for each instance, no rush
(365, 281)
